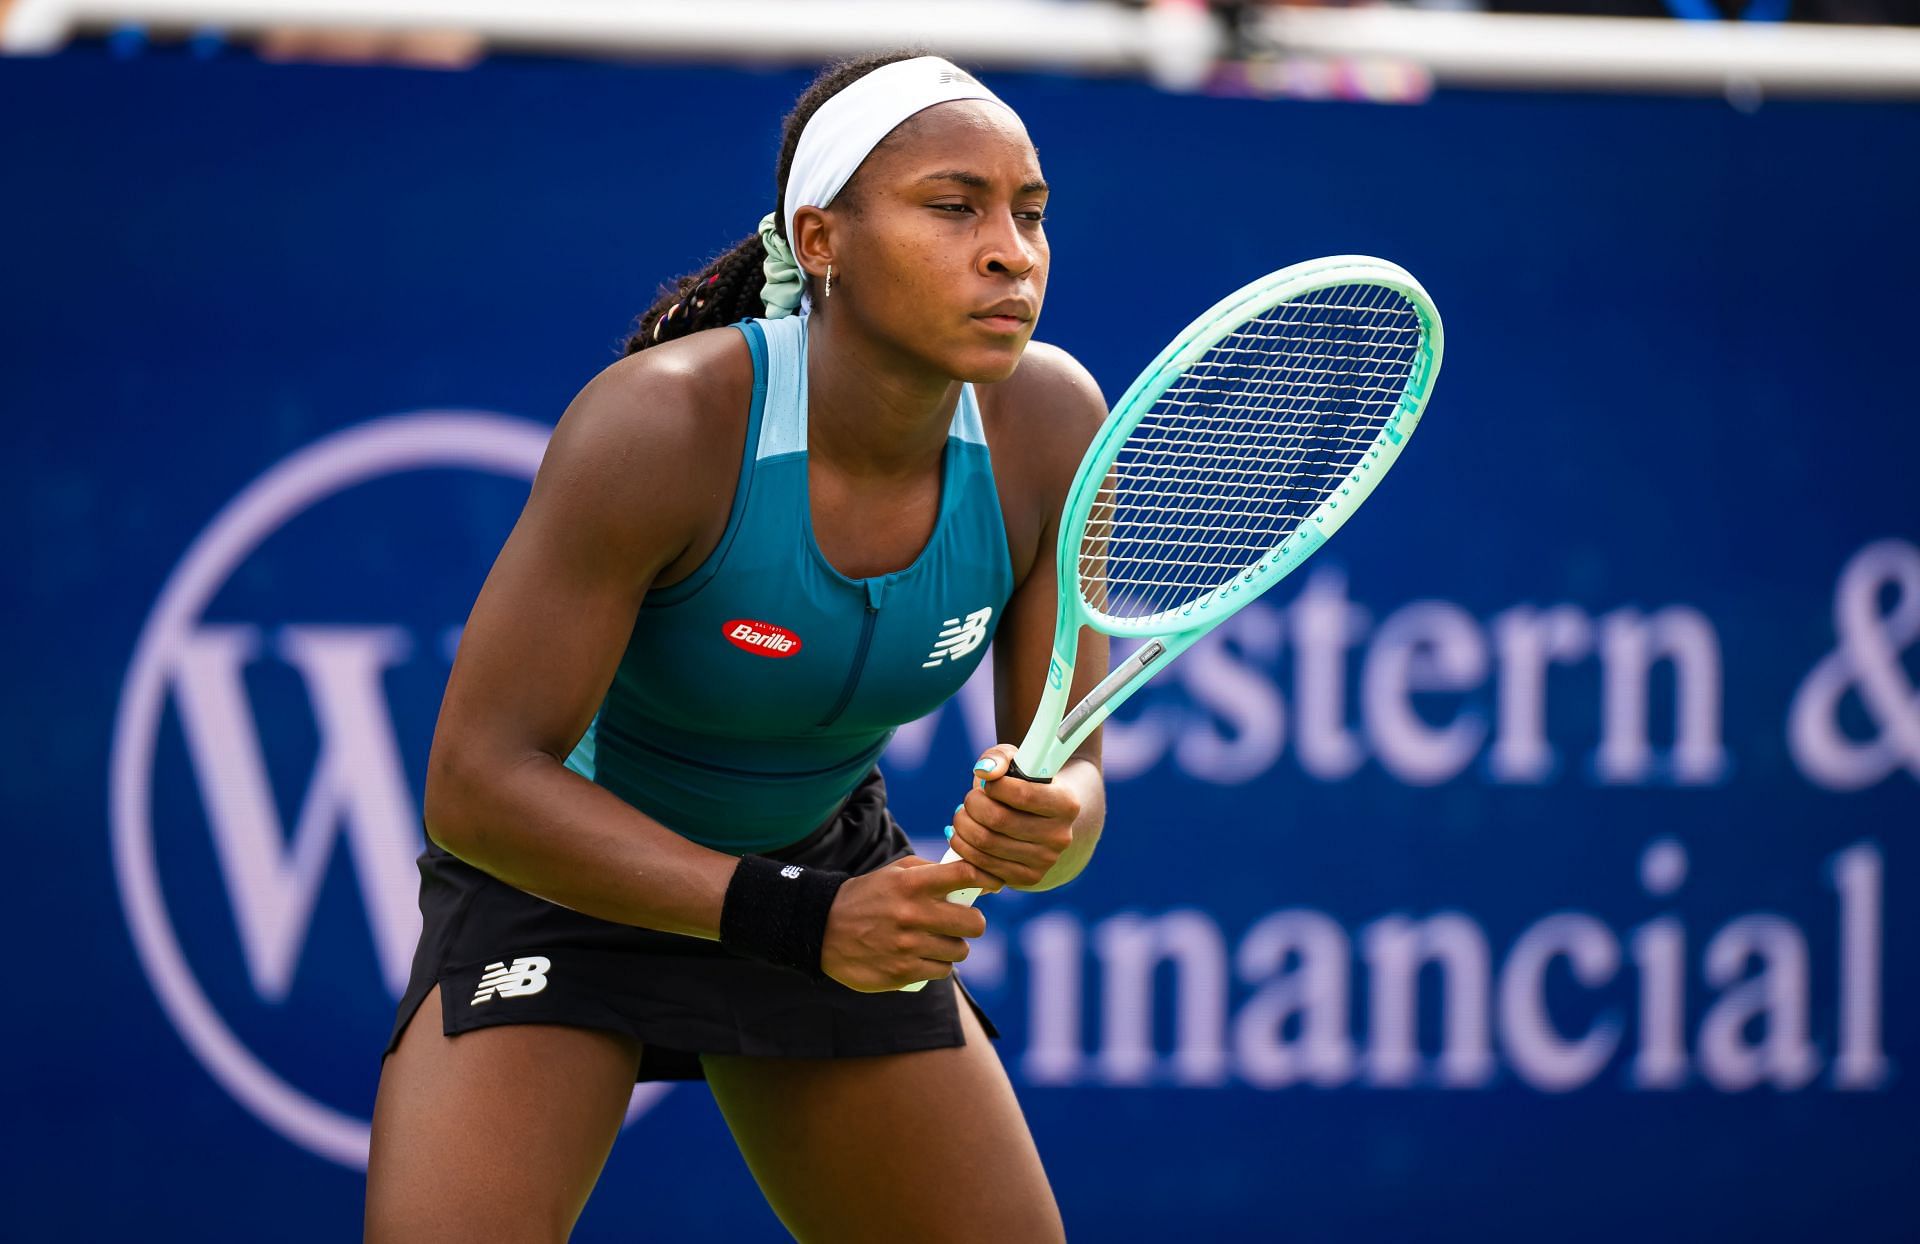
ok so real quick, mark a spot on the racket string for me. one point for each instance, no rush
(1244, 446)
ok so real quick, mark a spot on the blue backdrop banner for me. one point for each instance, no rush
(1534, 864)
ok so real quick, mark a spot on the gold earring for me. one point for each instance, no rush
(829, 292)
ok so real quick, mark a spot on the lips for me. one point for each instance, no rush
(1007, 309)
(1009, 316)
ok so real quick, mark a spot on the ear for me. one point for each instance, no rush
(813, 240)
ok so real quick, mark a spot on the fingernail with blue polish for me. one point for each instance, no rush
(988, 765)
(949, 833)
(958, 808)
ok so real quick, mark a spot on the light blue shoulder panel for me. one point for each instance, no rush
(783, 428)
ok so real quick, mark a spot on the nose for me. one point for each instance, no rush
(1007, 247)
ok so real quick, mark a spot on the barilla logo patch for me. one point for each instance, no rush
(761, 638)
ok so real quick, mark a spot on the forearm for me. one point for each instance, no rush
(1090, 785)
(543, 828)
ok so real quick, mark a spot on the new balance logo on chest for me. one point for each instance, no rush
(524, 976)
(959, 637)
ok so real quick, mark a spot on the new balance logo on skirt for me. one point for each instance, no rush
(525, 976)
(790, 871)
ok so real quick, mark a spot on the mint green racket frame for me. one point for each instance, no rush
(1057, 732)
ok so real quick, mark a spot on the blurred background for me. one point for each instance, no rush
(1536, 864)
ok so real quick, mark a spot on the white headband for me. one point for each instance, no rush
(851, 124)
(839, 135)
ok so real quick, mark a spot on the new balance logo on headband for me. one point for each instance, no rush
(526, 976)
(959, 637)
(948, 76)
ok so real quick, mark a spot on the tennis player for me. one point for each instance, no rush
(829, 471)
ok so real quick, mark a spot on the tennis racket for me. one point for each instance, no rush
(1230, 461)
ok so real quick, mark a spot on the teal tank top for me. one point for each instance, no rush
(756, 693)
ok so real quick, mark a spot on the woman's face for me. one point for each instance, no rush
(940, 252)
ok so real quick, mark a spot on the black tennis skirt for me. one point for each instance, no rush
(503, 956)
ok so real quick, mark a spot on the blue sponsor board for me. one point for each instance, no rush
(1534, 864)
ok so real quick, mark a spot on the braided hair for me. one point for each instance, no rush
(727, 290)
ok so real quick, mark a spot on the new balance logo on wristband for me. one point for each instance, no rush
(526, 976)
(790, 871)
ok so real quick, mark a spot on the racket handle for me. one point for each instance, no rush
(963, 897)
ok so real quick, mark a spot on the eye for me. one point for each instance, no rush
(951, 207)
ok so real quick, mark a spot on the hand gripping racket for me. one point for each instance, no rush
(1231, 460)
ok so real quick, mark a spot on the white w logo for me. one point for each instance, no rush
(357, 786)
(528, 975)
(355, 798)
(960, 636)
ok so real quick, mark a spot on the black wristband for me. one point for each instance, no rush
(778, 912)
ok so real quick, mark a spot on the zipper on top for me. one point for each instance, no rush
(876, 590)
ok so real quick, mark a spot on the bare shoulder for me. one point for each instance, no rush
(1050, 409)
(659, 408)
(1039, 422)
(651, 445)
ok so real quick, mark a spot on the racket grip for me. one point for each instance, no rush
(963, 897)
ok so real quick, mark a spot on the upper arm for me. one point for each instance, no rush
(626, 486)
(1056, 407)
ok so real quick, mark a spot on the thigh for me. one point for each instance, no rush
(496, 1134)
(927, 1146)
